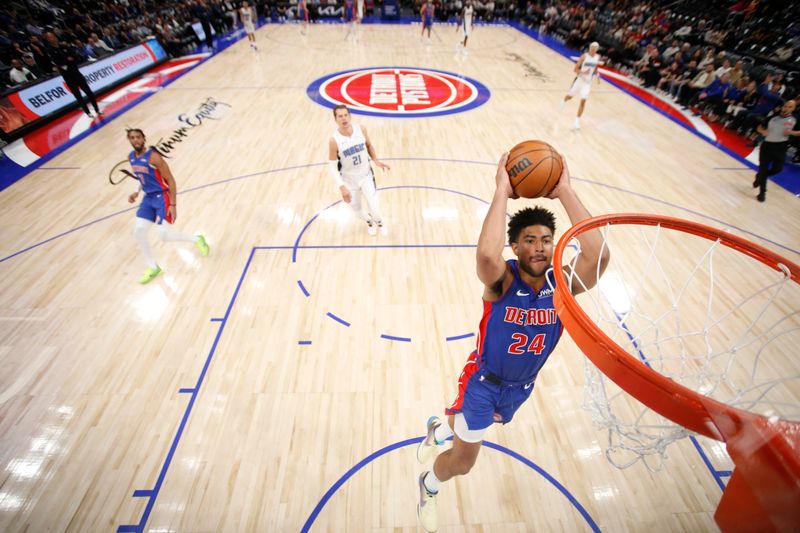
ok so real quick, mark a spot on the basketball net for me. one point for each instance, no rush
(706, 314)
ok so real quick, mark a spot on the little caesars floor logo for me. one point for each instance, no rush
(399, 92)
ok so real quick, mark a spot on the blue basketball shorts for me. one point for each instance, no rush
(154, 208)
(479, 399)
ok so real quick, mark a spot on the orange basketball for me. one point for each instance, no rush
(534, 168)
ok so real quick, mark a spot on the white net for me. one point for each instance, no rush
(709, 317)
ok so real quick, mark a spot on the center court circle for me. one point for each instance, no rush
(399, 92)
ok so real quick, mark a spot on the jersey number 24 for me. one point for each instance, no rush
(521, 341)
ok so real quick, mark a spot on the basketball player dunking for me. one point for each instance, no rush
(585, 70)
(426, 14)
(248, 16)
(518, 331)
(158, 204)
(349, 154)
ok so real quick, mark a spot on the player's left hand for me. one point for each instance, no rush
(173, 212)
(382, 166)
(563, 182)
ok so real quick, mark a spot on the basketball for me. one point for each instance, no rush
(534, 168)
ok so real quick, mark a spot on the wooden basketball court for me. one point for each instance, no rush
(235, 391)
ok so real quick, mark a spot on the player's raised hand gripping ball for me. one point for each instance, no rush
(534, 168)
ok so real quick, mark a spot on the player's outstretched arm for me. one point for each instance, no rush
(489, 256)
(593, 252)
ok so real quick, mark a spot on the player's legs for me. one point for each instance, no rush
(145, 218)
(355, 203)
(74, 88)
(89, 94)
(371, 196)
(457, 461)
(140, 232)
(167, 233)
(570, 93)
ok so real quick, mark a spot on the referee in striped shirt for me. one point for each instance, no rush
(776, 132)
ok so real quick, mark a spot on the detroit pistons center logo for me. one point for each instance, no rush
(399, 92)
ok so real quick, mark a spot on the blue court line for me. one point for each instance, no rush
(217, 319)
(303, 343)
(393, 338)
(296, 245)
(337, 319)
(186, 390)
(714, 472)
(142, 493)
(194, 394)
(428, 187)
(408, 442)
(303, 288)
(459, 337)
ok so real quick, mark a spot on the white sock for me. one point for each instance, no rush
(431, 482)
(140, 232)
(167, 233)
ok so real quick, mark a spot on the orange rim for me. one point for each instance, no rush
(680, 404)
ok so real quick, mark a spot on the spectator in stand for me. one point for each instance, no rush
(99, 47)
(18, 74)
(702, 80)
(39, 51)
(671, 50)
(769, 96)
(669, 75)
(110, 38)
(714, 93)
(724, 69)
(708, 59)
(737, 72)
(30, 63)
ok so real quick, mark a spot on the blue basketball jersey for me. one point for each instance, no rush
(519, 331)
(149, 176)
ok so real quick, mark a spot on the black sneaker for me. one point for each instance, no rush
(755, 183)
(761, 197)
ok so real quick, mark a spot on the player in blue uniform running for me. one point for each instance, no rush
(158, 204)
(518, 331)
(426, 14)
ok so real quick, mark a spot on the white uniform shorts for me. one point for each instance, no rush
(580, 86)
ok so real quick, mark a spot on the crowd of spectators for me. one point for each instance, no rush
(97, 28)
(734, 61)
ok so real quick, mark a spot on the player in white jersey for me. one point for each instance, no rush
(248, 16)
(466, 20)
(349, 154)
(585, 70)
